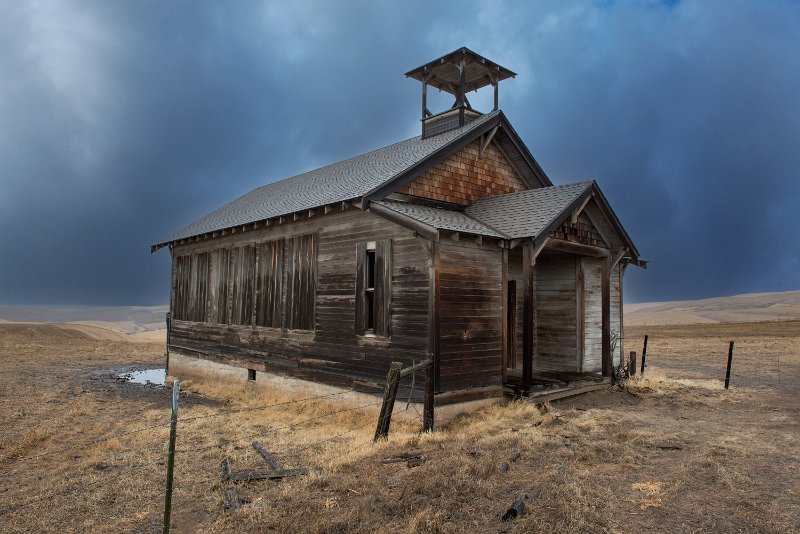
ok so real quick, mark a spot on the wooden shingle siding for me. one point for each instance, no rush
(465, 177)
(582, 231)
(332, 352)
(470, 315)
(556, 314)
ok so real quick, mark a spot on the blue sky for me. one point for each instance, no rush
(125, 120)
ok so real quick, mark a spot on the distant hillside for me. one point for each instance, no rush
(122, 319)
(746, 308)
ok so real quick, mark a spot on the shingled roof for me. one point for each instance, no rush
(533, 214)
(512, 216)
(527, 213)
(346, 180)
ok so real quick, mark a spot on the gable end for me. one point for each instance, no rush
(466, 176)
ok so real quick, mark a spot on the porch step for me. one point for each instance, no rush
(569, 391)
(543, 393)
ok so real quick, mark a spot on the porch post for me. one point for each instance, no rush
(529, 315)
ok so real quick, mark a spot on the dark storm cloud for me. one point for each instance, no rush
(124, 121)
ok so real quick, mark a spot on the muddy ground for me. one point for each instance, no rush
(672, 452)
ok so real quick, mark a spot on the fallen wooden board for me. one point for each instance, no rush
(271, 461)
(268, 475)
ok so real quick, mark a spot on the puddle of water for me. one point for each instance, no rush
(155, 377)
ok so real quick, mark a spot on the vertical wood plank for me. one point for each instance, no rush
(606, 324)
(528, 268)
(361, 260)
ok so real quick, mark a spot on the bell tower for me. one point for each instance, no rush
(457, 73)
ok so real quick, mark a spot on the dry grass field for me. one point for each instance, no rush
(672, 452)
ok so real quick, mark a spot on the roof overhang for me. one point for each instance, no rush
(443, 73)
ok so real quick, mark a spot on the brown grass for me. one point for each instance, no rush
(673, 452)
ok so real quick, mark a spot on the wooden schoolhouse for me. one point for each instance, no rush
(453, 246)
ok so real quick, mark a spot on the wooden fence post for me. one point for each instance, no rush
(389, 395)
(173, 426)
(644, 354)
(632, 363)
(427, 410)
(730, 360)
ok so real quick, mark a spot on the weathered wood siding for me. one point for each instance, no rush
(515, 274)
(556, 313)
(470, 315)
(615, 292)
(465, 177)
(592, 302)
(581, 231)
(331, 351)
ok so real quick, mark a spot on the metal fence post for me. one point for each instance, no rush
(730, 360)
(173, 425)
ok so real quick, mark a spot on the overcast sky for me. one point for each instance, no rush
(122, 121)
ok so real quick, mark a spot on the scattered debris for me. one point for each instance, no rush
(518, 507)
(230, 498)
(503, 468)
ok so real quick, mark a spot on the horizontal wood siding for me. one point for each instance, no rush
(331, 352)
(466, 177)
(556, 313)
(470, 315)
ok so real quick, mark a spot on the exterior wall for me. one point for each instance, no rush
(332, 353)
(515, 273)
(470, 315)
(465, 177)
(615, 292)
(592, 271)
(556, 313)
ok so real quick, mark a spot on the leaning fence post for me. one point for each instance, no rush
(644, 354)
(389, 395)
(173, 425)
(730, 360)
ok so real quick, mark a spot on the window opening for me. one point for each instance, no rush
(369, 291)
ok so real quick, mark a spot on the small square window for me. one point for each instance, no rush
(251, 375)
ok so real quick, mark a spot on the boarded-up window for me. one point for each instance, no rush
(268, 284)
(181, 304)
(374, 288)
(301, 281)
(243, 269)
(191, 287)
(218, 286)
